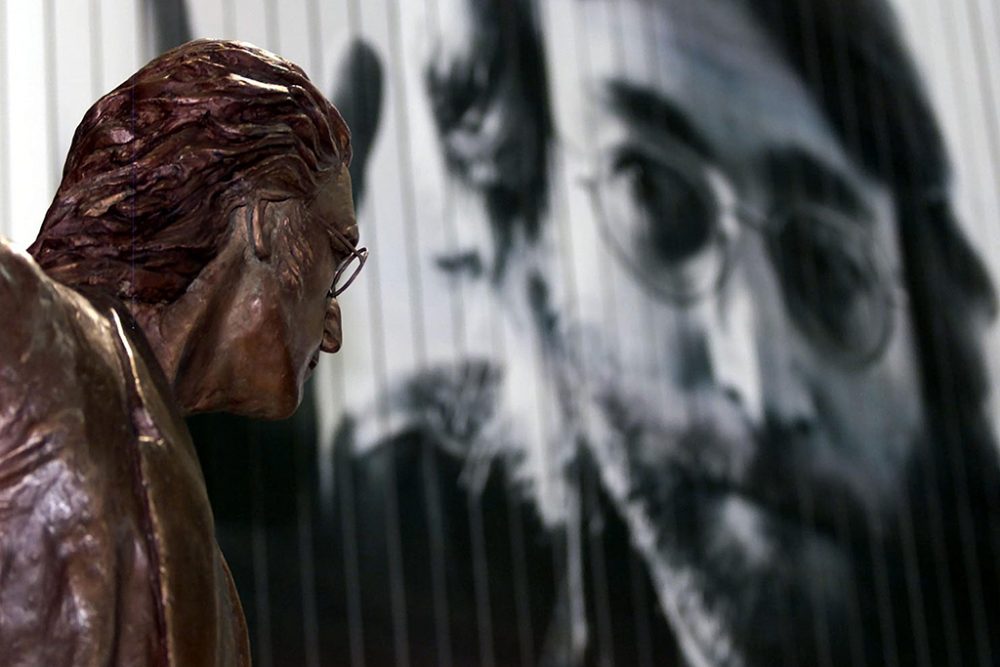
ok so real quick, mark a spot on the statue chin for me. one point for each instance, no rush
(281, 407)
(273, 402)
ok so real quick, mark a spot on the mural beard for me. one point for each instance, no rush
(757, 555)
(760, 557)
(453, 405)
(749, 569)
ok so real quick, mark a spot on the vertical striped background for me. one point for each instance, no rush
(58, 56)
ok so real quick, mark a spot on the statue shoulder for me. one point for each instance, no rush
(33, 312)
(49, 351)
(66, 492)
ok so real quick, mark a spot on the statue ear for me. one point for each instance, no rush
(259, 228)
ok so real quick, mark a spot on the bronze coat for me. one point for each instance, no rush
(107, 547)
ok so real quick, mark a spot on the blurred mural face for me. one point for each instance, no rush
(733, 325)
(717, 304)
(702, 292)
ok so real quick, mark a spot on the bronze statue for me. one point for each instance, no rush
(184, 266)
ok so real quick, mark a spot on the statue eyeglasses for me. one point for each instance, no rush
(349, 267)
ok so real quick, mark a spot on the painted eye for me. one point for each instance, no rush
(663, 220)
(668, 212)
(833, 285)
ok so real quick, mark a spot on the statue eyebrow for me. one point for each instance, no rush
(646, 107)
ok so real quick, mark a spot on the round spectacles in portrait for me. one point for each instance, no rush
(671, 219)
(668, 219)
(834, 280)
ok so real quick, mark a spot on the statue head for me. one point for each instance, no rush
(210, 194)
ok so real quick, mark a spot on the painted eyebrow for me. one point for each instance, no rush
(793, 171)
(796, 173)
(646, 107)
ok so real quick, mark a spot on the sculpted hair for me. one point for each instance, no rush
(159, 165)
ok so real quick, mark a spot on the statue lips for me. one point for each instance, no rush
(313, 361)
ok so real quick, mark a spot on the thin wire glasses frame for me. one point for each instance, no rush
(726, 216)
(350, 266)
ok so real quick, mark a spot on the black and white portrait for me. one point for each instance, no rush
(748, 327)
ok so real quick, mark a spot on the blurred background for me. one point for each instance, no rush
(428, 504)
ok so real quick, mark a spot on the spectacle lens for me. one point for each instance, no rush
(833, 282)
(670, 220)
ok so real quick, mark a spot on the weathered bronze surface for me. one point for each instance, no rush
(185, 265)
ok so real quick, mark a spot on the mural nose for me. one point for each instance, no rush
(719, 351)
